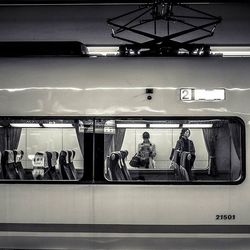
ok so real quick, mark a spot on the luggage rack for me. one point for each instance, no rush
(185, 25)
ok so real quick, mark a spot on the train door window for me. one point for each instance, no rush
(42, 150)
(174, 151)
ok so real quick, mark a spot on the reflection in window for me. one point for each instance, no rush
(173, 150)
(42, 149)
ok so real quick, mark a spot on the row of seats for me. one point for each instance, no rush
(117, 169)
(116, 166)
(44, 165)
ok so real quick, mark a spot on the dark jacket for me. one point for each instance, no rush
(184, 144)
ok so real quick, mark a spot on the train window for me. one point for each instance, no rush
(42, 150)
(175, 151)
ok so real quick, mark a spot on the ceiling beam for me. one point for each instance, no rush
(109, 2)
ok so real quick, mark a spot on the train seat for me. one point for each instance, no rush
(186, 163)
(117, 168)
(18, 156)
(1, 168)
(40, 165)
(125, 171)
(51, 172)
(9, 168)
(66, 165)
(177, 164)
(54, 159)
(72, 155)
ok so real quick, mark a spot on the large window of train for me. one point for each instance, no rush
(175, 151)
(42, 150)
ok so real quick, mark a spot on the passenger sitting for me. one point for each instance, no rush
(147, 152)
(187, 151)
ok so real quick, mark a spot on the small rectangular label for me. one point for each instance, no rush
(188, 94)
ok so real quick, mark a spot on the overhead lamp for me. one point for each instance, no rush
(231, 51)
(58, 125)
(25, 125)
(162, 125)
(103, 51)
(197, 125)
(131, 125)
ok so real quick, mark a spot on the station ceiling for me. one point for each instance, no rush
(114, 2)
(86, 21)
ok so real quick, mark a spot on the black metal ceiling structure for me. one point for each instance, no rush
(167, 13)
(110, 2)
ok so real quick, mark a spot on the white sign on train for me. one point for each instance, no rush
(200, 95)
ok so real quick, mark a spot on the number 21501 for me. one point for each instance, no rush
(225, 217)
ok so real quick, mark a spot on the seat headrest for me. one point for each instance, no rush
(71, 155)
(68, 155)
(40, 160)
(54, 158)
(18, 155)
(10, 156)
(115, 156)
(124, 153)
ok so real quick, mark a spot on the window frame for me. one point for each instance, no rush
(193, 118)
(96, 173)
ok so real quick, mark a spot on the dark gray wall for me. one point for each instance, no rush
(88, 23)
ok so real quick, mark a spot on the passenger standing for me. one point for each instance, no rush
(147, 151)
(187, 151)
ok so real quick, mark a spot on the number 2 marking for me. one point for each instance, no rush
(186, 94)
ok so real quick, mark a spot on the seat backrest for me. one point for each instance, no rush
(71, 155)
(125, 171)
(51, 173)
(180, 173)
(107, 173)
(183, 160)
(66, 164)
(1, 167)
(18, 156)
(9, 165)
(40, 165)
(176, 156)
(116, 167)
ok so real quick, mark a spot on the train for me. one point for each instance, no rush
(73, 126)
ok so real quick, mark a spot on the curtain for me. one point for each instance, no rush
(9, 138)
(80, 138)
(236, 137)
(114, 142)
(210, 137)
(108, 139)
(118, 138)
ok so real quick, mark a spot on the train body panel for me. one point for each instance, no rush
(51, 86)
(124, 216)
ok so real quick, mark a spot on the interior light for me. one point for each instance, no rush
(231, 51)
(58, 125)
(131, 125)
(103, 51)
(197, 125)
(162, 125)
(25, 125)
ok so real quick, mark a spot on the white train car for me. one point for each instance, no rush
(92, 112)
